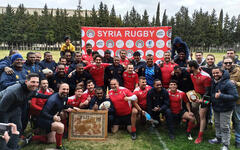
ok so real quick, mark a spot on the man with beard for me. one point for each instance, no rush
(97, 100)
(87, 58)
(14, 100)
(121, 99)
(87, 95)
(210, 59)
(151, 71)
(167, 68)
(58, 78)
(97, 70)
(234, 71)
(231, 53)
(140, 105)
(202, 85)
(68, 57)
(181, 60)
(78, 60)
(67, 46)
(137, 61)
(18, 72)
(31, 66)
(182, 76)
(48, 62)
(80, 75)
(38, 57)
(107, 57)
(124, 61)
(114, 71)
(158, 102)
(49, 118)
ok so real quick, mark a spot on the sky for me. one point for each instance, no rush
(122, 6)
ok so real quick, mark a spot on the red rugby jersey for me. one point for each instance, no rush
(88, 58)
(121, 106)
(176, 100)
(201, 81)
(97, 72)
(130, 80)
(166, 70)
(142, 96)
(73, 101)
(124, 62)
(38, 103)
(86, 94)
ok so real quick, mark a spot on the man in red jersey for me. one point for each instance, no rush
(75, 100)
(130, 78)
(177, 98)
(87, 95)
(121, 99)
(202, 83)
(87, 58)
(167, 68)
(140, 105)
(97, 70)
(124, 61)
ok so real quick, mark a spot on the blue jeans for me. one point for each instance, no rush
(236, 114)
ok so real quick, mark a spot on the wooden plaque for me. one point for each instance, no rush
(88, 125)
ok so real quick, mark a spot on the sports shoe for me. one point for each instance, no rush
(198, 140)
(215, 141)
(224, 147)
(189, 136)
(60, 147)
(134, 135)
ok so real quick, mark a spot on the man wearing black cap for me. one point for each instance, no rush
(107, 57)
(67, 46)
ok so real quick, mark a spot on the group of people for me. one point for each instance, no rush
(43, 92)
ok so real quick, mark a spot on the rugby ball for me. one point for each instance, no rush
(47, 71)
(107, 104)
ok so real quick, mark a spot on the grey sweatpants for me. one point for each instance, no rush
(222, 126)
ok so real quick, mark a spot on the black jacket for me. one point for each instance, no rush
(115, 72)
(55, 80)
(184, 81)
(228, 96)
(111, 110)
(155, 99)
(77, 78)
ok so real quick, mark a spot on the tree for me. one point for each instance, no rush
(126, 20)
(153, 22)
(145, 19)
(113, 18)
(220, 28)
(164, 19)
(158, 15)
(93, 18)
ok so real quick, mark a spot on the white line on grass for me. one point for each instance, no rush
(160, 140)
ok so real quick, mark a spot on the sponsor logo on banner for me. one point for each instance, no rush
(150, 52)
(130, 53)
(100, 44)
(150, 43)
(83, 43)
(110, 43)
(159, 54)
(90, 33)
(169, 43)
(160, 33)
(120, 44)
(118, 53)
(129, 44)
(82, 33)
(91, 42)
(139, 43)
(160, 44)
(169, 33)
(112, 52)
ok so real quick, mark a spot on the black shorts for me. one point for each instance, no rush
(45, 124)
(179, 115)
(122, 120)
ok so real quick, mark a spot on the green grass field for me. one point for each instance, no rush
(146, 139)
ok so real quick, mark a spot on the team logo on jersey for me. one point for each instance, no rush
(17, 77)
(28, 71)
(111, 72)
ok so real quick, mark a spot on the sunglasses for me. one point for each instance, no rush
(228, 63)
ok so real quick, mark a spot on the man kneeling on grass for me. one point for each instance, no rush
(177, 99)
(49, 118)
(121, 99)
